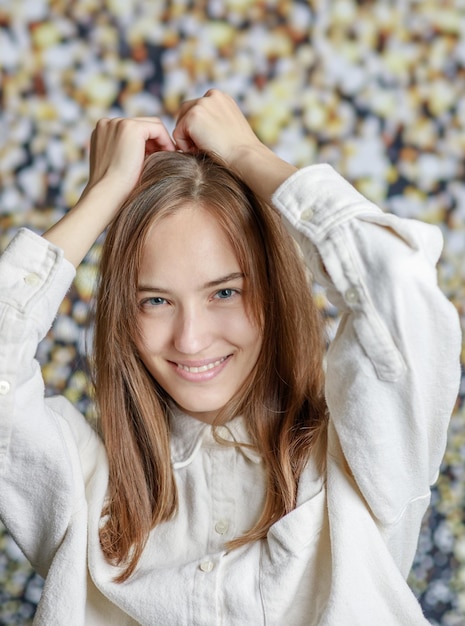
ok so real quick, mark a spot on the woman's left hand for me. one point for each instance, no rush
(214, 124)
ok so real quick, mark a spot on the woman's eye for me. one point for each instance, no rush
(224, 294)
(155, 301)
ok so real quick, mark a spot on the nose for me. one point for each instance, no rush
(193, 331)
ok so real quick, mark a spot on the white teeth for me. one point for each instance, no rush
(202, 368)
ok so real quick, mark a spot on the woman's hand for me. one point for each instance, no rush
(118, 150)
(214, 124)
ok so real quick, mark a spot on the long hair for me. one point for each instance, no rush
(282, 401)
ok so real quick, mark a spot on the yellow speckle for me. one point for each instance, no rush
(46, 34)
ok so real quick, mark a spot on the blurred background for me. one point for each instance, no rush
(374, 88)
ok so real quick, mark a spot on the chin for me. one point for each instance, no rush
(206, 412)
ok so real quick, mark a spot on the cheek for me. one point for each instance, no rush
(150, 338)
(250, 335)
(253, 321)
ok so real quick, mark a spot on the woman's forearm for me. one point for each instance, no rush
(117, 155)
(77, 231)
(262, 170)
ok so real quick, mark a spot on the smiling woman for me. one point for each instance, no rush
(191, 235)
(234, 480)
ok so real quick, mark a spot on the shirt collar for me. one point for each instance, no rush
(189, 435)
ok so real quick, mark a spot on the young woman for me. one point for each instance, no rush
(233, 482)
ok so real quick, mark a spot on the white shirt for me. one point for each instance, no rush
(342, 556)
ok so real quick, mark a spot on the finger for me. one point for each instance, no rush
(161, 142)
(182, 132)
(146, 128)
(188, 105)
(153, 132)
(182, 138)
(157, 137)
(215, 93)
(185, 107)
(152, 145)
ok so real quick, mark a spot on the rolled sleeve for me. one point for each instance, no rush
(34, 277)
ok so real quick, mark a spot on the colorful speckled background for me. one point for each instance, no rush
(375, 88)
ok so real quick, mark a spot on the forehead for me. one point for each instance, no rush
(188, 244)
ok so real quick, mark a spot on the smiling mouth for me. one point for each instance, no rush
(201, 368)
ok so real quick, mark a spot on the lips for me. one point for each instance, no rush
(205, 367)
(200, 371)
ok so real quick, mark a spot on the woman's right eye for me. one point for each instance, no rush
(154, 301)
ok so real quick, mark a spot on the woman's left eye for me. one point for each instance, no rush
(224, 294)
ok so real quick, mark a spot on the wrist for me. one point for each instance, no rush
(261, 169)
(109, 194)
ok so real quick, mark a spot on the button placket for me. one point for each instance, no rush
(205, 596)
(207, 566)
(4, 387)
(205, 592)
(223, 491)
(221, 527)
(351, 296)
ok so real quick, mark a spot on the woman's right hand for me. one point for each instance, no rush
(118, 150)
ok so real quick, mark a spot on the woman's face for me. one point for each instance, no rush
(196, 339)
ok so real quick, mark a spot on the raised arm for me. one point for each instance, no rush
(117, 154)
(393, 367)
(215, 124)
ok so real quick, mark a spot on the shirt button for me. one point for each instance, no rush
(351, 296)
(32, 280)
(223, 432)
(307, 214)
(4, 387)
(207, 566)
(221, 527)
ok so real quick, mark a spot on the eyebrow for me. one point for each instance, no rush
(212, 283)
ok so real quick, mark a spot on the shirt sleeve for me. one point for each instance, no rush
(41, 483)
(393, 368)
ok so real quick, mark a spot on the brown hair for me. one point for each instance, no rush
(282, 402)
